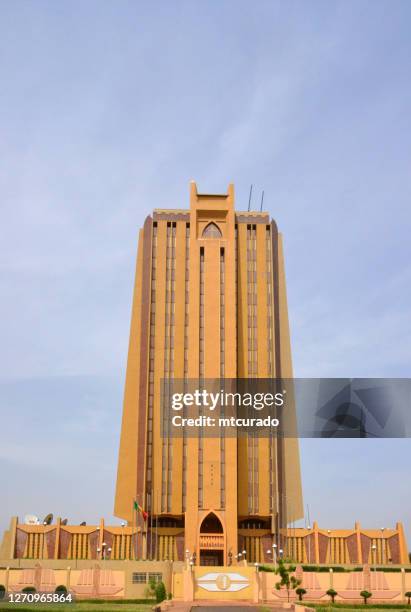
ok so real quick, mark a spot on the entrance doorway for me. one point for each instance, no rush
(211, 557)
(211, 541)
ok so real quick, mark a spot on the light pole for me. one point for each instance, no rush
(374, 554)
(274, 547)
(244, 553)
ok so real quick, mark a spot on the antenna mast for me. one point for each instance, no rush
(249, 198)
(262, 200)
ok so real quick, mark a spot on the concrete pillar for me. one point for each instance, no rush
(402, 583)
(316, 543)
(57, 540)
(359, 549)
(101, 539)
(188, 584)
(256, 586)
(7, 578)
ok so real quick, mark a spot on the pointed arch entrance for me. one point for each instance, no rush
(211, 540)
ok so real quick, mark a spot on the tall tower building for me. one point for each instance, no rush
(209, 302)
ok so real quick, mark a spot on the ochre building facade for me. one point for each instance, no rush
(209, 302)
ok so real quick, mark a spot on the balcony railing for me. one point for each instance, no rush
(214, 541)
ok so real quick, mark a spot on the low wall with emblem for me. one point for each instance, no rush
(384, 586)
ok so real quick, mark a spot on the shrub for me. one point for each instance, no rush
(29, 589)
(2, 591)
(365, 595)
(61, 589)
(266, 568)
(300, 592)
(331, 593)
(407, 595)
(160, 592)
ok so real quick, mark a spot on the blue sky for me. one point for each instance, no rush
(108, 110)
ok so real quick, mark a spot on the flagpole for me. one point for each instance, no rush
(151, 525)
(139, 527)
(157, 551)
(133, 556)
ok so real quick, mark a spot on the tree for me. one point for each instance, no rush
(2, 591)
(160, 592)
(61, 589)
(332, 594)
(408, 596)
(287, 581)
(300, 592)
(150, 591)
(365, 595)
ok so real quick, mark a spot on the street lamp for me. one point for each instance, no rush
(281, 553)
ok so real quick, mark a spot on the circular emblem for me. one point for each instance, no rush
(223, 582)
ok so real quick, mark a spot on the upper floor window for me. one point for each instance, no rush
(212, 231)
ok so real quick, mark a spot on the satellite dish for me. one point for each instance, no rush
(64, 521)
(31, 519)
(48, 519)
(83, 524)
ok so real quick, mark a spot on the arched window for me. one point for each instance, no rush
(212, 231)
(211, 524)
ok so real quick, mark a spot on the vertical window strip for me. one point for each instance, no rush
(222, 372)
(169, 364)
(171, 357)
(201, 376)
(252, 357)
(269, 302)
(167, 448)
(270, 345)
(255, 361)
(250, 322)
(149, 451)
(186, 323)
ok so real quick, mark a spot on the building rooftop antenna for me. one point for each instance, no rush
(249, 197)
(262, 200)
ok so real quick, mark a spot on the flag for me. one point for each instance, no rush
(140, 509)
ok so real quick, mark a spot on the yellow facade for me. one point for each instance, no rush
(209, 302)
